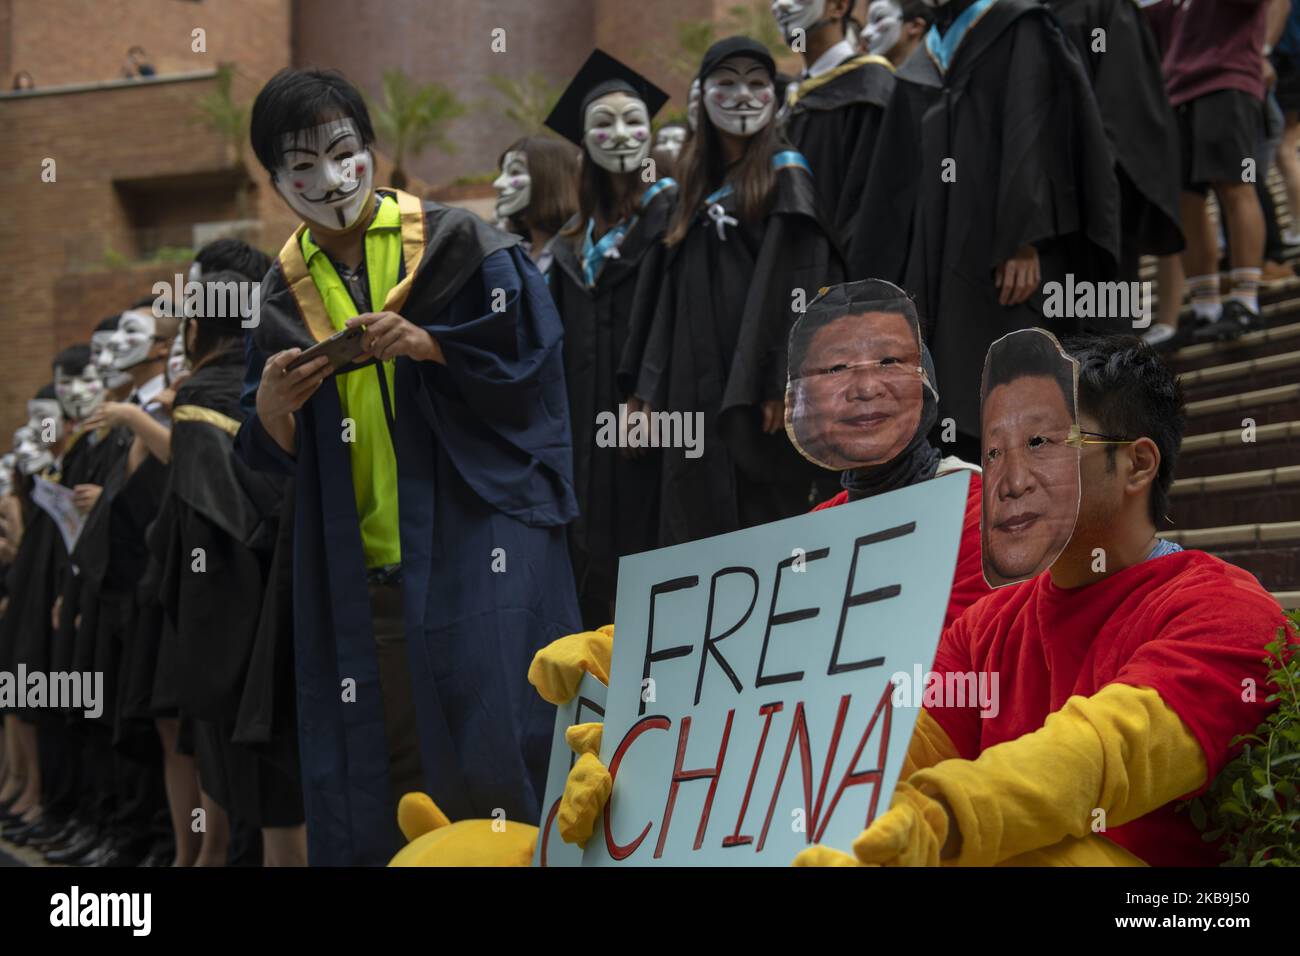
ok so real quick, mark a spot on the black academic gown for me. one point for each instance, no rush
(717, 347)
(617, 495)
(1140, 126)
(834, 121)
(1016, 114)
(223, 514)
(34, 581)
(485, 480)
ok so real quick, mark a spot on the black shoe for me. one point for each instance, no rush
(120, 856)
(21, 836)
(96, 854)
(75, 848)
(1236, 313)
(1215, 330)
(59, 838)
(42, 831)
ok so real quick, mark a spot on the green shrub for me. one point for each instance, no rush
(1253, 807)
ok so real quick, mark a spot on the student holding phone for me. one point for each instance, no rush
(434, 481)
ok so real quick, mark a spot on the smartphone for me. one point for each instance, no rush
(341, 348)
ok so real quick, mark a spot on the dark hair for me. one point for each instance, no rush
(235, 255)
(134, 49)
(915, 10)
(18, 81)
(46, 391)
(1129, 389)
(295, 100)
(703, 169)
(222, 329)
(553, 171)
(596, 196)
(844, 299)
(109, 324)
(1023, 355)
(73, 360)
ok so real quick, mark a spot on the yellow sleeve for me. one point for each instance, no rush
(928, 746)
(1122, 751)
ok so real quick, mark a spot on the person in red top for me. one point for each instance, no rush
(1125, 670)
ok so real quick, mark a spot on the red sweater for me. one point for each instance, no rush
(1187, 625)
(968, 584)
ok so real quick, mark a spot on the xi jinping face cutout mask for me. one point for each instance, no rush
(1028, 421)
(326, 174)
(857, 383)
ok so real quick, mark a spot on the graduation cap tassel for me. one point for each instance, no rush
(721, 220)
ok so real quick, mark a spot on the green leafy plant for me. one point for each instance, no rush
(755, 20)
(1253, 806)
(527, 100)
(412, 117)
(218, 111)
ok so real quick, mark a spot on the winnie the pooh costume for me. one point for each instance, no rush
(433, 840)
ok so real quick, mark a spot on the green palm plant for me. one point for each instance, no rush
(412, 117)
(219, 112)
(528, 100)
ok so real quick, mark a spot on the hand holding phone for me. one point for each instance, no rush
(340, 348)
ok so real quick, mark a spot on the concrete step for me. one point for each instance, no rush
(1269, 341)
(1271, 552)
(1282, 368)
(1223, 452)
(1266, 406)
(1211, 501)
(1290, 600)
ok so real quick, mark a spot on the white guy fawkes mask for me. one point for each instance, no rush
(739, 96)
(671, 139)
(693, 105)
(884, 26)
(129, 345)
(177, 362)
(326, 174)
(101, 356)
(514, 186)
(7, 463)
(935, 4)
(80, 394)
(45, 417)
(616, 132)
(30, 454)
(792, 15)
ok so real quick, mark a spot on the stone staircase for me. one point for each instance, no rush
(1236, 491)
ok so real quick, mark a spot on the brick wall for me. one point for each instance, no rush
(85, 41)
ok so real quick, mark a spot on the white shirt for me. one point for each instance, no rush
(844, 50)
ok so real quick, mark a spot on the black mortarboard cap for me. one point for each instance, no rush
(601, 74)
(736, 46)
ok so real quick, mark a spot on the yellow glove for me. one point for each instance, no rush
(910, 833)
(1122, 751)
(558, 667)
(824, 856)
(587, 788)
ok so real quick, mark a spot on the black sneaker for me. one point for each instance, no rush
(1216, 330)
(1236, 313)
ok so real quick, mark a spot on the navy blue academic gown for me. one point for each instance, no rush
(484, 463)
